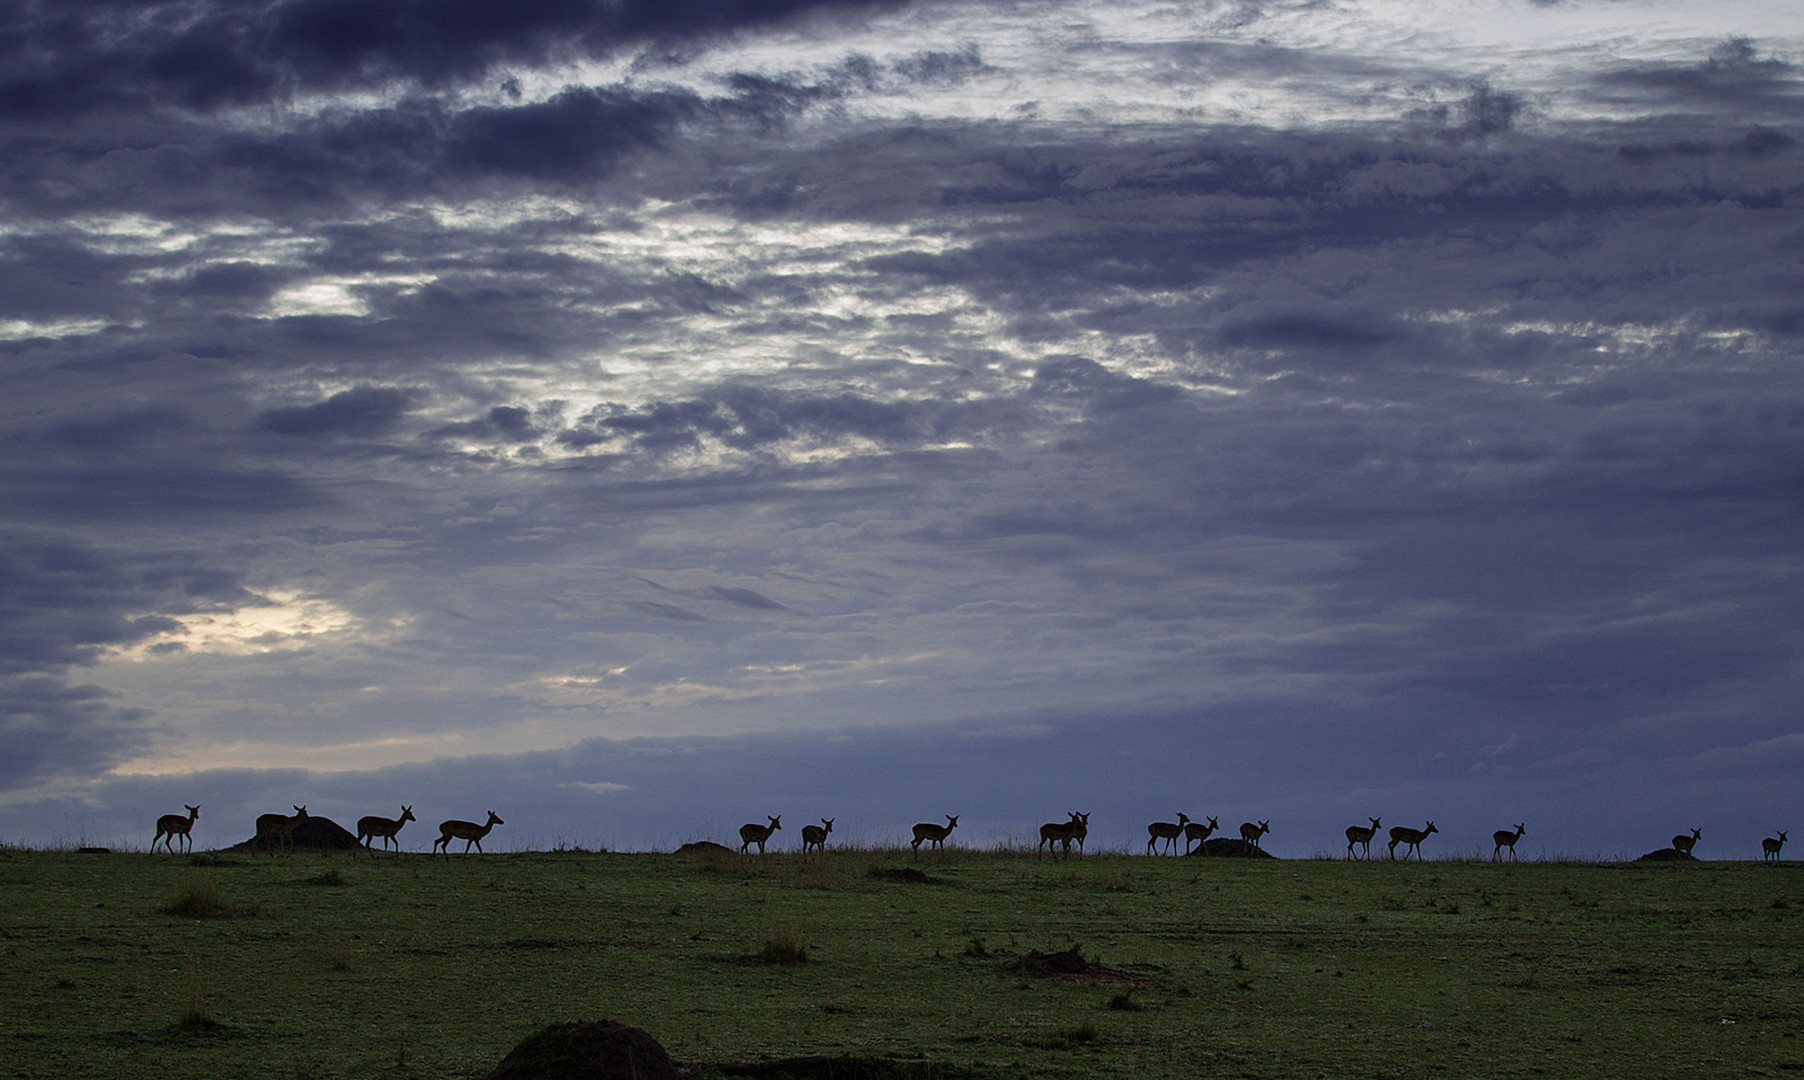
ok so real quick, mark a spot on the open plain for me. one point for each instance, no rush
(987, 964)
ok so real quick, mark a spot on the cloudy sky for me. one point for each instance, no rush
(642, 416)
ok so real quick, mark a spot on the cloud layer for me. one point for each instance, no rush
(934, 396)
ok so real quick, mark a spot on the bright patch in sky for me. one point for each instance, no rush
(287, 620)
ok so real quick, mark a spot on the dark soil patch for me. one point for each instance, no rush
(587, 1050)
(1231, 849)
(313, 834)
(1069, 962)
(1667, 854)
(844, 1067)
(904, 873)
(702, 847)
(1069, 966)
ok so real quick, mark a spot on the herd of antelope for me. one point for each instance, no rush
(276, 831)
(1056, 837)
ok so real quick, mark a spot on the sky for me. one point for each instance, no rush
(641, 417)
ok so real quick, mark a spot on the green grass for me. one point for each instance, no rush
(219, 967)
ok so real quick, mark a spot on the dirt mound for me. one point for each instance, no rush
(1069, 966)
(1069, 962)
(1232, 849)
(313, 834)
(1667, 854)
(702, 847)
(903, 873)
(587, 1050)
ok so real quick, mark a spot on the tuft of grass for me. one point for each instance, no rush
(785, 945)
(197, 899)
(194, 1016)
(1067, 1037)
(330, 877)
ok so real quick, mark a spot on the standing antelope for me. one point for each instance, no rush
(271, 825)
(1250, 833)
(757, 834)
(1410, 838)
(467, 831)
(1080, 828)
(170, 826)
(1503, 838)
(1769, 848)
(1166, 831)
(371, 827)
(815, 836)
(1683, 844)
(1054, 831)
(1359, 834)
(935, 835)
(1195, 833)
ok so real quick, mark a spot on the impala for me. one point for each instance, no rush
(1250, 833)
(1166, 831)
(758, 834)
(1063, 833)
(815, 836)
(935, 835)
(371, 827)
(1769, 848)
(1504, 838)
(1195, 833)
(1684, 844)
(1359, 834)
(1055, 831)
(1410, 838)
(170, 826)
(467, 831)
(271, 825)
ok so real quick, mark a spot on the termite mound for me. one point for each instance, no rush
(587, 1050)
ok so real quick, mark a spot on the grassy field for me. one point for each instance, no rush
(348, 966)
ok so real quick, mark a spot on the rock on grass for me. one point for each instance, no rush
(587, 1050)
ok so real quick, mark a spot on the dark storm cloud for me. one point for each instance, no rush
(63, 603)
(666, 611)
(63, 60)
(575, 135)
(936, 68)
(64, 600)
(746, 418)
(51, 729)
(503, 423)
(1486, 112)
(746, 598)
(1735, 75)
(1305, 329)
(364, 410)
(1238, 205)
(47, 275)
(323, 166)
(120, 433)
(178, 492)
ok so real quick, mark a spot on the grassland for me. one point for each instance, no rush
(338, 966)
